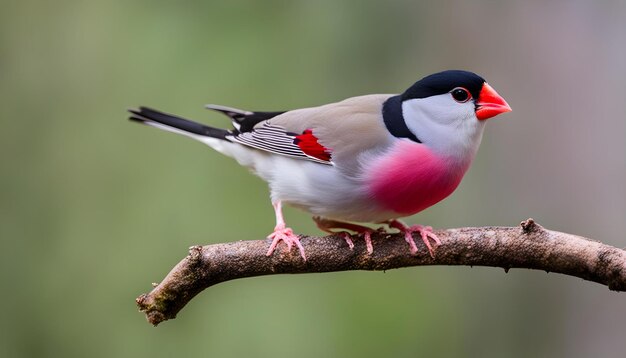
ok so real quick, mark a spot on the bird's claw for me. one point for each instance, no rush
(348, 238)
(367, 236)
(287, 236)
(426, 233)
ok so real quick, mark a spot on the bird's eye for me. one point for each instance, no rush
(460, 94)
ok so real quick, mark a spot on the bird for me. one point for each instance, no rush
(370, 159)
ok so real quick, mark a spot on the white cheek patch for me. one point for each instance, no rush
(445, 125)
(440, 109)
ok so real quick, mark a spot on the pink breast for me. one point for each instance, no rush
(410, 178)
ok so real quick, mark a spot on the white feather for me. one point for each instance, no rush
(219, 145)
(447, 127)
(320, 189)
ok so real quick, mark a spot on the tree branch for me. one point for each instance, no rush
(529, 246)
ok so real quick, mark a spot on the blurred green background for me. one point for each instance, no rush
(95, 208)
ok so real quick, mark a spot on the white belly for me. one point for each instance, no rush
(319, 189)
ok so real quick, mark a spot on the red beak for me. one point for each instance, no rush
(490, 103)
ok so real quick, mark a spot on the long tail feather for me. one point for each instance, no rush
(175, 124)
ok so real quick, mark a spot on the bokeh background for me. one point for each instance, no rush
(94, 208)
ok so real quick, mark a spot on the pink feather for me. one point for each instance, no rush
(411, 178)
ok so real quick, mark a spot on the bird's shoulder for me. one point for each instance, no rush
(339, 132)
(354, 111)
(346, 128)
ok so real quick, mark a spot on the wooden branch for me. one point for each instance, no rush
(529, 246)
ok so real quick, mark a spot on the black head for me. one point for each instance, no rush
(444, 82)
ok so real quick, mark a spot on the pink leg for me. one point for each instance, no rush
(327, 224)
(283, 233)
(426, 232)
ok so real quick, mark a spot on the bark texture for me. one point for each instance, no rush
(527, 246)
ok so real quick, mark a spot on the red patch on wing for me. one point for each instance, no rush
(309, 146)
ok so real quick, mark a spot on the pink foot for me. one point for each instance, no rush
(346, 236)
(285, 234)
(327, 225)
(367, 236)
(426, 232)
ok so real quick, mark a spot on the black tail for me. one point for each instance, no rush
(147, 116)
